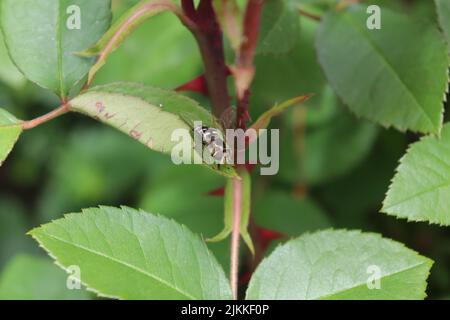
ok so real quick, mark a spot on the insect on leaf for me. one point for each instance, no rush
(147, 114)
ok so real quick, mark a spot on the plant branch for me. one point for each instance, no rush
(65, 108)
(210, 41)
(244, 71)
(251, 32)
(189, 9)
(125, 26)
(209, 37)
(235, 236)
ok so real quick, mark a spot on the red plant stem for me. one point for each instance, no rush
(244, 63)
(210, 41)
(46, 117)
(251, 32)
(235, 236)
(209, 37)
(189, 9)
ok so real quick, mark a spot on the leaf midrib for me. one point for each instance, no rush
(59, 51)
(139, 270)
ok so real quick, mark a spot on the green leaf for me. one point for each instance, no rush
(228, 213)
(130, 254)
(194, 208)
(8, 71)
(229, 210)
(112, 39)
(158, 62)
(401, 70)
(280, 28)
(264, 120)
(29, 277)
(42, 40)
(149, 115)
(281, 77)
(420, 190)
(443, 9)
(339, 264)
(10, 130)
(298, 215)
(245, 208)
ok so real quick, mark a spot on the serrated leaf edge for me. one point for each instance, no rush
(344, 231)
(124, 208)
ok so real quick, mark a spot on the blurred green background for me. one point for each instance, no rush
(334, 171)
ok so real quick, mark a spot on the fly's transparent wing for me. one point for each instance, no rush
(227, 120)
(228, 117)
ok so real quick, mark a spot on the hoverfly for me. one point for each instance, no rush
(212, 138)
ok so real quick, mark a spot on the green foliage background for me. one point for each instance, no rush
(335, 169)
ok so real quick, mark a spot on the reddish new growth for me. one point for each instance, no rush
(198, 85)
(209, 37)
(244, 62)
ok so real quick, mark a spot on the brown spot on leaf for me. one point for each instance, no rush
(109, 116)
(135, 134)
(100, 107)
